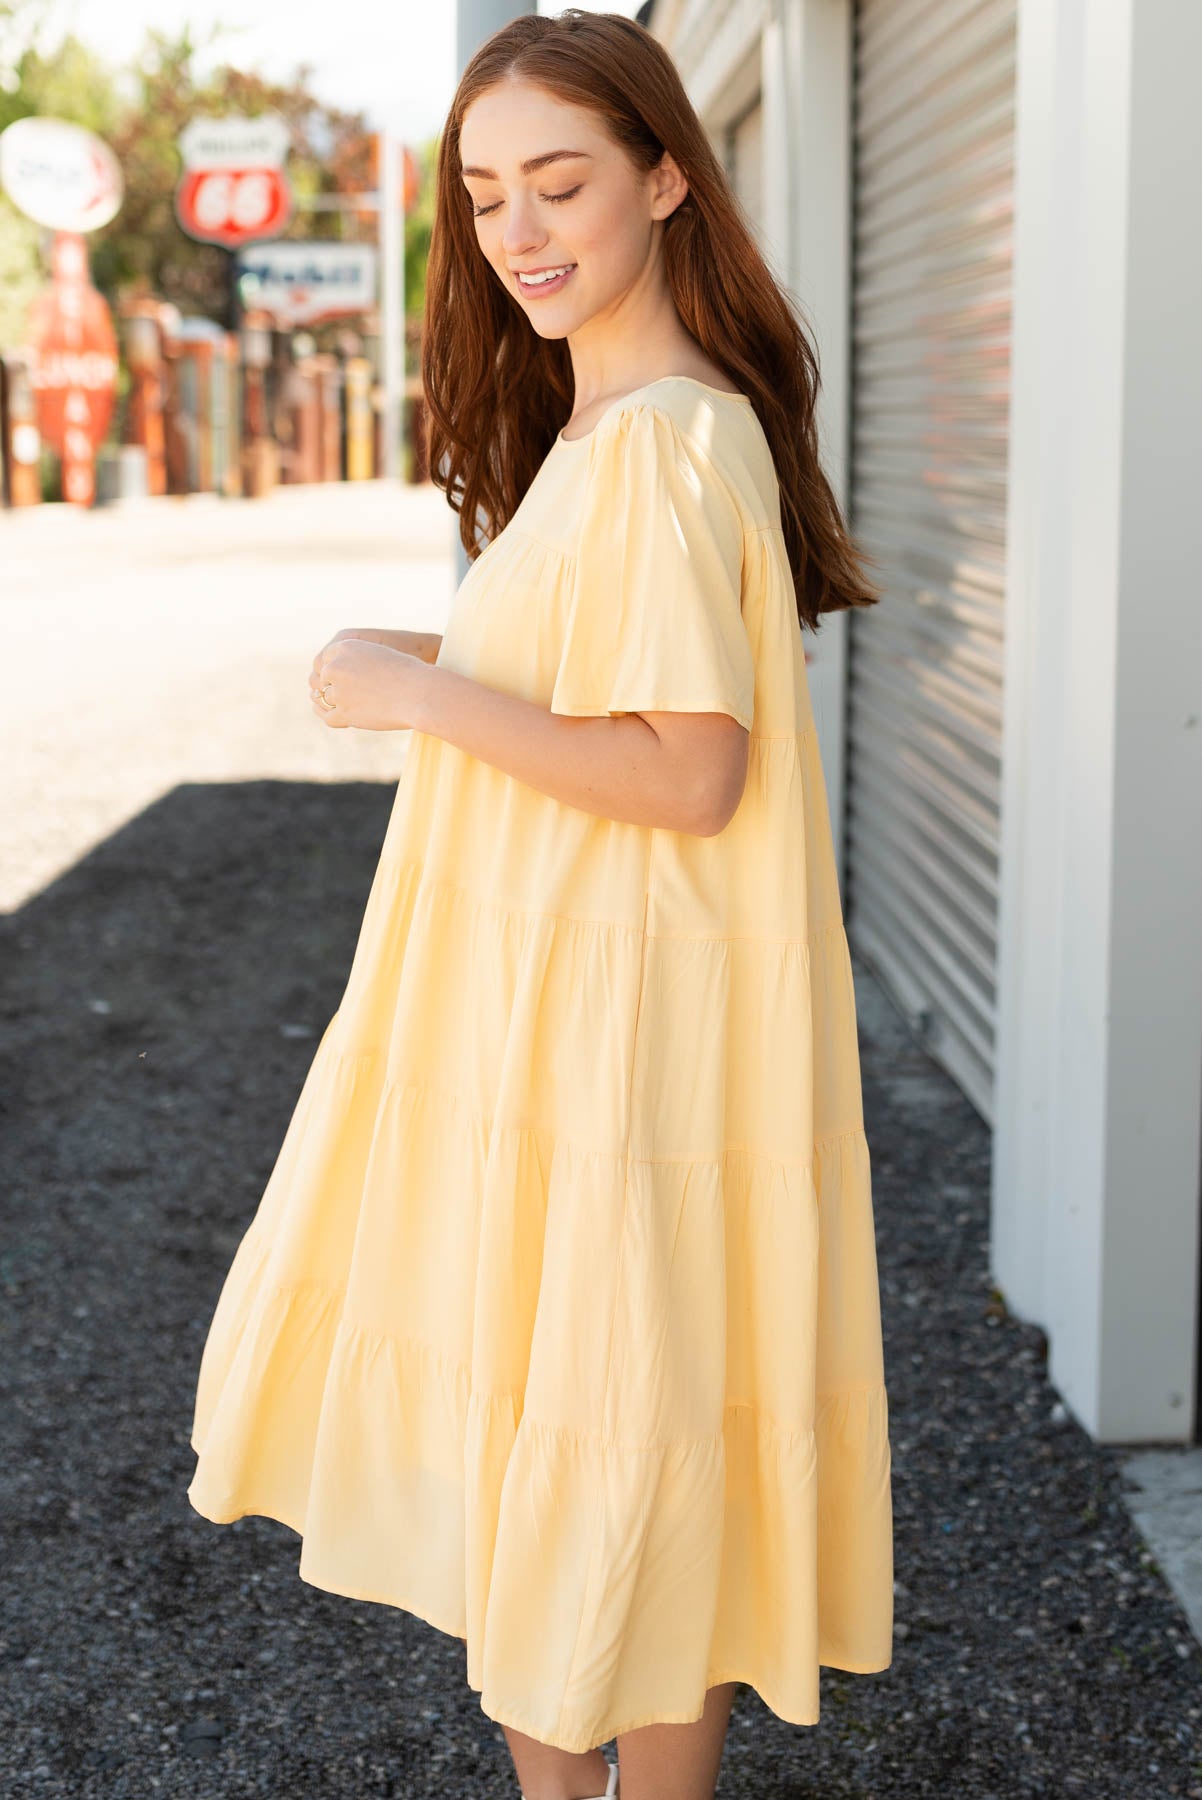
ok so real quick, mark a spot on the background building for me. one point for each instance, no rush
(981, 208)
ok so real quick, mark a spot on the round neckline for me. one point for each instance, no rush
(706, 386)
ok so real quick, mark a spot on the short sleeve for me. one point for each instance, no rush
(654, 618)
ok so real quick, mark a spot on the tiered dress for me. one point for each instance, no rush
(558, 1323)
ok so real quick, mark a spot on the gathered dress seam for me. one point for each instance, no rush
(569, 553)
(632, 927)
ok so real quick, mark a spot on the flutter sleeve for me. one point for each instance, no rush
(654, 619)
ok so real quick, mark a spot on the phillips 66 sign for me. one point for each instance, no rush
(234, 190)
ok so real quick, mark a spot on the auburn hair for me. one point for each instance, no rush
(497, 394)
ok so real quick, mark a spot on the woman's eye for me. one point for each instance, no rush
(480, 212)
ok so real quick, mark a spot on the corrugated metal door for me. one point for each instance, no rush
(933, 212)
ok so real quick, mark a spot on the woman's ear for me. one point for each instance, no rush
(668, 187)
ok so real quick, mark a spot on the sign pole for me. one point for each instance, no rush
(233, 312)
(392, 300)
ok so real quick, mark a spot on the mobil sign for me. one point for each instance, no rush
(300, 284)
(233, 189)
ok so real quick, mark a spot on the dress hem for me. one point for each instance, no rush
(576, 1745)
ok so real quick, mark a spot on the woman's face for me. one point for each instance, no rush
(584, 218)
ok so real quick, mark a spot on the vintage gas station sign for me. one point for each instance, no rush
(59, 175)
(234, 189)
(74, 369)
(298, 284)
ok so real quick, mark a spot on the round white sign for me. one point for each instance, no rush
(60, 175)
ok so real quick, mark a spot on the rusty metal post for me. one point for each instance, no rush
(359, 419)
(22, 442)
(144, 424)
(260, 456)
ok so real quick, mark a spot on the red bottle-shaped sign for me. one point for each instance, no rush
(234, 190)
(74, 375)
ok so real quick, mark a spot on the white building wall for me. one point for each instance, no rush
(1099, 1116)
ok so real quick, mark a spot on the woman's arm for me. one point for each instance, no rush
(683, 771)
(677, 770)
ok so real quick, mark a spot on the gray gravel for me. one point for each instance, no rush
(149, 1011)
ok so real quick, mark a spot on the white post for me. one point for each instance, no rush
(809, 209)
(392, 300)
(476, 20)
(1099, 1093)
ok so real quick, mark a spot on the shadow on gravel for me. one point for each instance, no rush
(160, 1006)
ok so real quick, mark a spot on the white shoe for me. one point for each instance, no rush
(611, 1786)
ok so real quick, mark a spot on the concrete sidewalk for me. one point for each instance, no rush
(1164, 1492)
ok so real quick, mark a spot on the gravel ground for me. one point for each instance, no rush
(153, 1002)
(160, 1001)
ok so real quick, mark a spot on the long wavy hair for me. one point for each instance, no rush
(497, 394)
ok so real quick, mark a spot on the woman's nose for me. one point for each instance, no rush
(522, 231)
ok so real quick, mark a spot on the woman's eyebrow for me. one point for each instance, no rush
(528, 167)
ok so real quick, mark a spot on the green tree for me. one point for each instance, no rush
(418, 225)
(71, 83)
(20, 272)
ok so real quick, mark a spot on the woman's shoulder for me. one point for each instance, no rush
(698, 408)
(717, 429)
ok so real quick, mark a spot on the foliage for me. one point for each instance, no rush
(20, 272)
(72, 83)
(418, 225)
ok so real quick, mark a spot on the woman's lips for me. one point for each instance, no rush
(535, 290)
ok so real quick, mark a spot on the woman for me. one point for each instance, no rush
(558, 1323)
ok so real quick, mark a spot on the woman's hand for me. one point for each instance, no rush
(369, 636)
(424, 644)
(355, 681)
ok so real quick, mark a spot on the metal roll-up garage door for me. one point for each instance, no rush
(933, 214)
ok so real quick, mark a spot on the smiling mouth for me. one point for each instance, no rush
(545, 281)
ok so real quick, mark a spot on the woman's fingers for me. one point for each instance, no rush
(327, 714)
(319, 678)
(318, 674)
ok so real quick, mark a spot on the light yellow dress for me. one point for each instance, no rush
(558, 1323)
